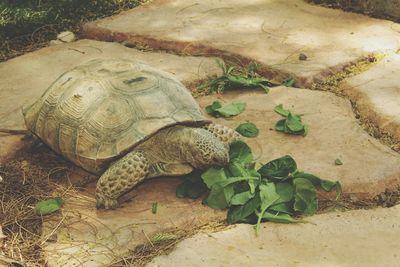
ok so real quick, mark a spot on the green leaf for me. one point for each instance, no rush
(338, 162)
(280, 110)
(213, 175)
(154, 207)
(232, 109)
(212, 109)
(285, 192)
(285, 207)
(294, 123)
(240, 213)
(268, 196)
(219, 196)
(329, 185)
(232, 180)
(305, 196)
(280, 218)
(193, 186)
(241, 152)
(248, 129)
(242, 198)
(315, 180)
(279, 169)
(289, 82)
(46, 207)
(281, 126)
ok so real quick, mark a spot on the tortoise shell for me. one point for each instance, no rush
(101, 110)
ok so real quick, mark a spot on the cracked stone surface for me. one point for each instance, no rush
(377, 94)
(24, 79)
(271, 32)
(352, 238)
(368, 166)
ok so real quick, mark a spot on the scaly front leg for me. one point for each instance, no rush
(119, 178)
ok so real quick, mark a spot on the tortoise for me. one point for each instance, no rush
(126, 121)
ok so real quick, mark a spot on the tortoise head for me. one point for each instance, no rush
(206, 150)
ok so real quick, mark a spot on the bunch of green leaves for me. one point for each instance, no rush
(236, 77)
(276, 192)
(217, 110)
(292, 123)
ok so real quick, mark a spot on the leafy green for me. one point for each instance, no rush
(292, 124)
(248, 129)
(280, 110)
(213, 175)
(338, 162)
(240, 213)
(289, 82)
(268, 196)
(318, 182)
(279, 217)
(240, 151)
(219, 197)
(232, 109)
(276, 192)
(193, 186)
(236, 77)
(242, 198)
(217, 110)
(154, 207)
(48, 206)
(305, 198)
(212, 109)
(278, 169)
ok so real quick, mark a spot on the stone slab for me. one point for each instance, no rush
(271, 32)
(368, 166)
(89, 237)
(25, 78)
(377, 94)
(348, 239)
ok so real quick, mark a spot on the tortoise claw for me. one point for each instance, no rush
(107, 203)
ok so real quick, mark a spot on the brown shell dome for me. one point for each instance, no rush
(98, 111)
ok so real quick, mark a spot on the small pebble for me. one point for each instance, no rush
(66, 37)
(302, 56)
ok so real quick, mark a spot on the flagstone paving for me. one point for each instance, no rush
(377, 94)
(345, 239)
(272, 33)
(369, 167)
(24, 79)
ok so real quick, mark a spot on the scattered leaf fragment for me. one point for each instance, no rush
(48, 206)
(338, 162)
(289, 82)
(248, 129)
(154, 207)
(161, 237)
